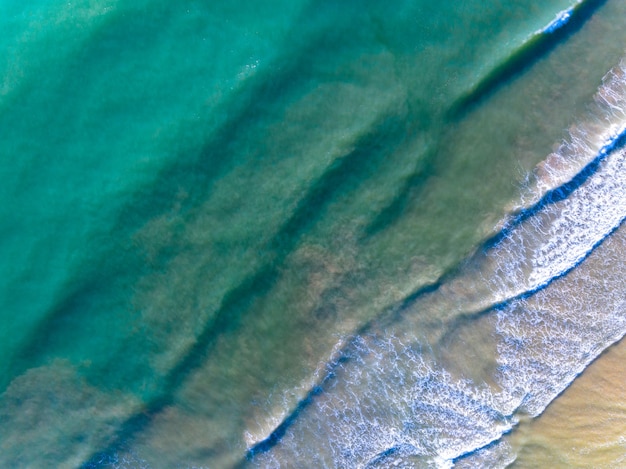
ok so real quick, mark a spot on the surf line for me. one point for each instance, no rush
(344, 355)
(539, 247)
(472, 404)
(562, 192)
(596, 169)
(534, 247)
(346, 351)
(592, 151)
(538, 44)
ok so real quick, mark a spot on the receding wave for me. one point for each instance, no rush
(534, 307)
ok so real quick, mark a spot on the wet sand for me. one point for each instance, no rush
(585, 426)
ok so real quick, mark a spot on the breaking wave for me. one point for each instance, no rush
(542, 299)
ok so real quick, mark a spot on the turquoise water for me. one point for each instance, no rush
(207, 206)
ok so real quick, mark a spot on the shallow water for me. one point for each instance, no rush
(585, 426)
(302, 234)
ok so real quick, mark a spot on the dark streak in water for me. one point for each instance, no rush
(196, 174)
(560, 193)
(477, 450)
(394, 451)
(343, 356)
(393, 314)
(409, 190)
(551, 197)
(381, 141)
(227, 318)
(537, 46)
(238, 300)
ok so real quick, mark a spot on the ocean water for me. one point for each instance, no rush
(311, 234)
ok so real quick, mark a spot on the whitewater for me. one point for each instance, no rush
(389, 399)
(308, 233)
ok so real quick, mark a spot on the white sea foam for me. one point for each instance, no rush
(560, 20)
(560, 218)
(562, 232)
(585, 140)
(392, 406)
(394, 402)
(549, 338)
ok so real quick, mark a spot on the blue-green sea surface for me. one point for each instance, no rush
(206, 205)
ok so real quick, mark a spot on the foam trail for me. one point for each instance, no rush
(403, 394)
(556, 239)
(392, 400)
(389, 402)
(594, 137)
(573, 203)
(561, 231)
(549, 338)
